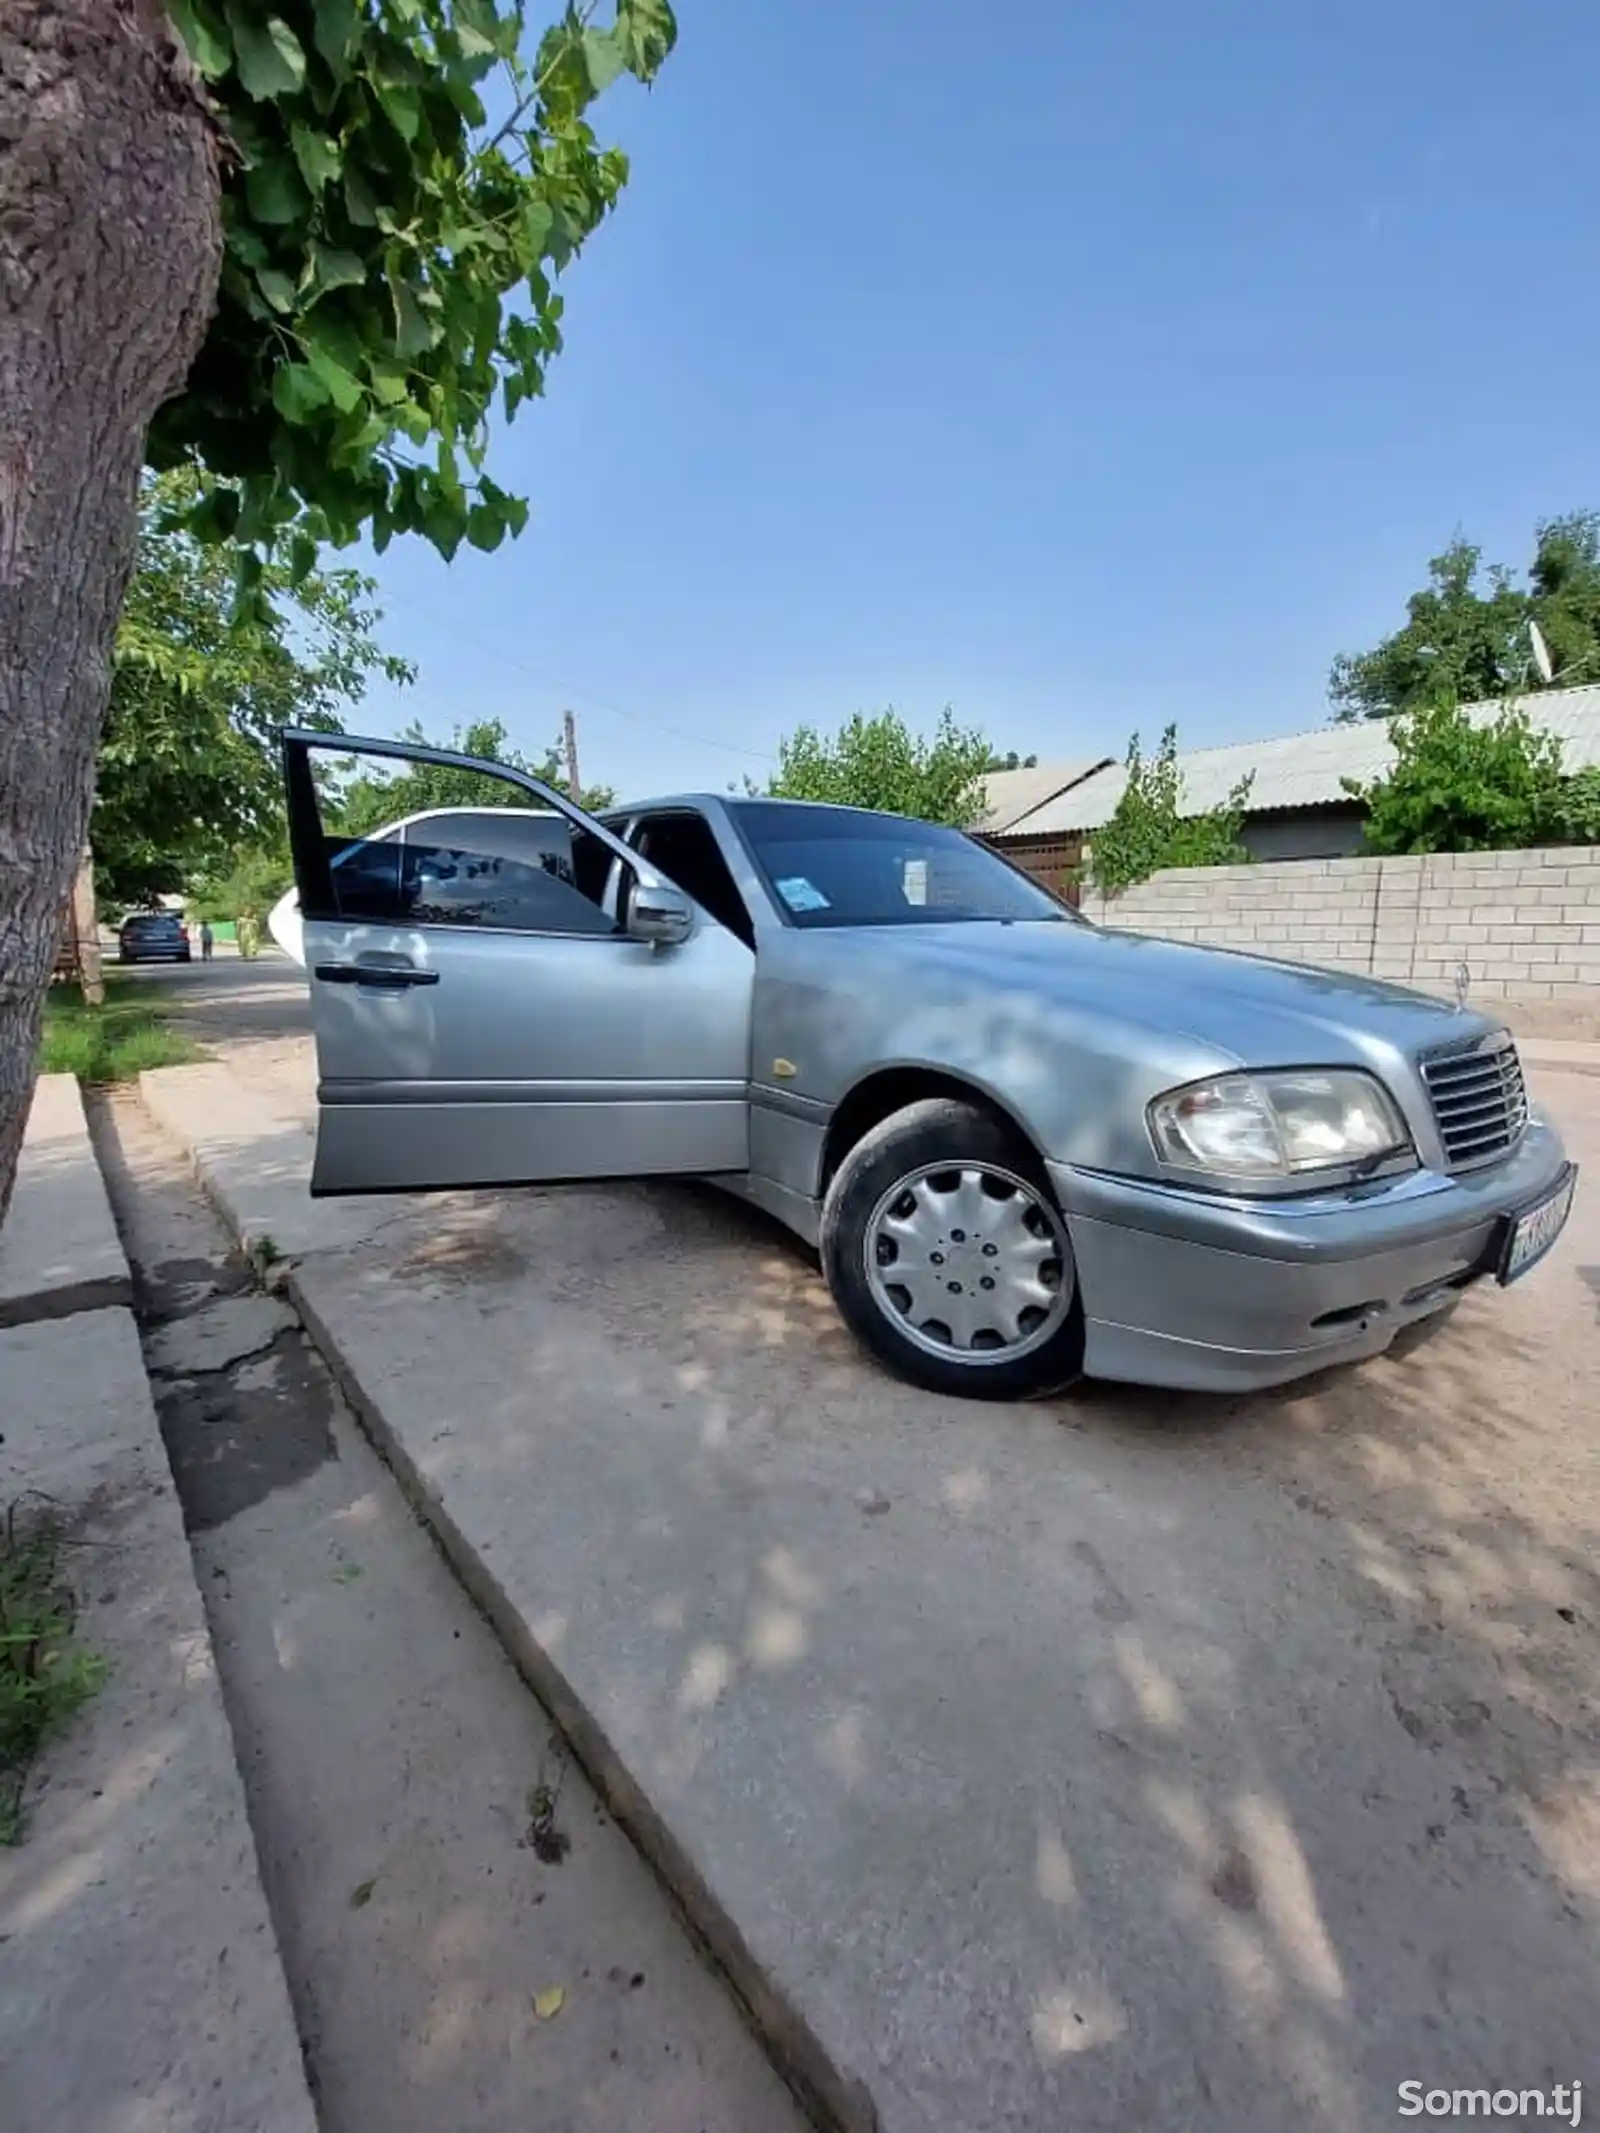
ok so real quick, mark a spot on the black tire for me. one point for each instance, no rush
(941, 1131)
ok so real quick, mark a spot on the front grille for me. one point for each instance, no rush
(1479, 1103)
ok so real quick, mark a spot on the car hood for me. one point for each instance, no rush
(1257, 1011)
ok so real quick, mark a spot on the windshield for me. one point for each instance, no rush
(839, 866)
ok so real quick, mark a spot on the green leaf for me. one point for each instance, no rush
(401, 106)
(318, 157)
(414, 332)
(298, 392)
(646, 30)
(415, 421)
(444, 521)
(343, 390)
(302, 558)
(267, 54)
(466, 99)
(327, 328)
(246, 245)
(534, 221)
(486, 527)
(359, 203)
(216, 516)
(336, 23)
(604, 56)
(478, 31)
(332, 269)
(274, 192)
(205, 37)
(276, 287)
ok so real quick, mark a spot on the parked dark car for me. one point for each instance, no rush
(153, 937)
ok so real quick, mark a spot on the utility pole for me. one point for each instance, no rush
(569, 728)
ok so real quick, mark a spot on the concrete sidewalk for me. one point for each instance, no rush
(140, 1983)
(1130, 1761)
(59, 1249)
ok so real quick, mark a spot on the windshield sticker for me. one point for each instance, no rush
(800, 894)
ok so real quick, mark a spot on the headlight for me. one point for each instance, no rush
(1259, 1128)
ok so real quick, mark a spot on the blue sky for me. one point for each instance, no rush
(1083, 367)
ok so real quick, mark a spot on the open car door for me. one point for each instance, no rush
(519, 999)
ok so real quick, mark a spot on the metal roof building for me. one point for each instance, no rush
(1301, 775)
(1008, 795)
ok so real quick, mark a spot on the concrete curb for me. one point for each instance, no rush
(835, 2098)
(141, 1980)
(59, 1252)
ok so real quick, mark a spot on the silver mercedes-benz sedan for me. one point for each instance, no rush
(1026, 1147)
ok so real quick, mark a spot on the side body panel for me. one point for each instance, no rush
(534, 1057)
(480, 1015)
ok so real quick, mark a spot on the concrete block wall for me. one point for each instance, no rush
(1526, 924)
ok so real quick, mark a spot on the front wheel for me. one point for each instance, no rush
(949, 1259)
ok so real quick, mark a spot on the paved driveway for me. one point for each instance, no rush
(1135, 1759)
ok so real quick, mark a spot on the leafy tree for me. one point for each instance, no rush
(372, 797)
(879, 762)
(1010, 761)
(1149, 830)
(187, 770)
(249, 879)
(1461, 787)
(285, 240)
(1466, 638)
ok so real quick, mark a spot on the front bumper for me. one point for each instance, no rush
(1190, 1289)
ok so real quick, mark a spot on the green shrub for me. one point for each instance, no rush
(1150, 831)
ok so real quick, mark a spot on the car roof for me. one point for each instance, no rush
(734, 802)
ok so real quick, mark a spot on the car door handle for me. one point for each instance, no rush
(387, 977)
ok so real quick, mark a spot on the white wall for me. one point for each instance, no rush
(1526, 924)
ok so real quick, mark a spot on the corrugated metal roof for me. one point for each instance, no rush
(1306, 769)
(1009, 794)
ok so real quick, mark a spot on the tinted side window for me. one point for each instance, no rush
(516, 873)
(441, 886)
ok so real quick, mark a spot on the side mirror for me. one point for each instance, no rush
(659, 913)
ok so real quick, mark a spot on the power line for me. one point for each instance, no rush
(637, 718)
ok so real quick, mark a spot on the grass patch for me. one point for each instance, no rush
(116, 1042)
(45, 1674)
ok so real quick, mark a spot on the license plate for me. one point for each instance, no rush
(1532, 1233)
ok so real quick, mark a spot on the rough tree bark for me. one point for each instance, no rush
(109, 252)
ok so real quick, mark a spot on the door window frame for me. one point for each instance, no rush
(638, 819)
(313, 867)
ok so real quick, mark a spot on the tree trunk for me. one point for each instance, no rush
(109, 252)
